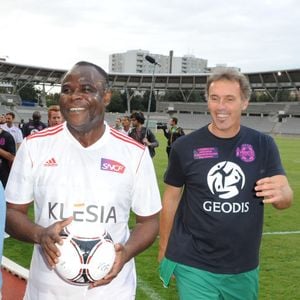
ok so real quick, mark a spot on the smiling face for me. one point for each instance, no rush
(83, 99)
(9, 120)
(225, 104)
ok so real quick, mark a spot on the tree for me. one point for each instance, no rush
(145, 101)
(136, 103)
(52, 99)
(172, 96)
(116, 103)
(28, 92)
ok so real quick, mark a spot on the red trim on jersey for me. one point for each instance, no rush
(125, 138)
(46, 132)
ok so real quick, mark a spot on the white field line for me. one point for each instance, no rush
(150, 292)
(281, 232)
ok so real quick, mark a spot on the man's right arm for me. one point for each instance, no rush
(171, 200)
(19, 226)
(7, 155)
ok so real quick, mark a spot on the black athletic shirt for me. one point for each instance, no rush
(8, 144)
(218, 224)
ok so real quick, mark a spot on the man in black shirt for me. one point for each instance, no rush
(218, 180)
(7, 154)
(33, 125)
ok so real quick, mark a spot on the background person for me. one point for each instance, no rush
(7, 154)
(118, 124)
(139, 133)
(111, 171)
(126, 124)
(12, 129)
(2, 120)
(173, 133)
(33, 125)
(217, 182)
(2, 224)
(21, 124)
(54, 115)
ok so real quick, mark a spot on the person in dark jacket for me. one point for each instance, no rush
(173, 133)
(33, 125)
(142, 134)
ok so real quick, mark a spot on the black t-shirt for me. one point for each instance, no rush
(32, 126)
(218, 224)
(8, 144)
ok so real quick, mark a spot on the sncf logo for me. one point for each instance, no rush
(112, 165)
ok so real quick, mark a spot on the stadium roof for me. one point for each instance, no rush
(279, 79)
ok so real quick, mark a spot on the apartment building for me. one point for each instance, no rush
(133, 61)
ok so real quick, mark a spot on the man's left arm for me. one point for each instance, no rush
(142, 236)
(275, 190)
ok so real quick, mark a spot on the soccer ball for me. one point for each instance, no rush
(85, 260)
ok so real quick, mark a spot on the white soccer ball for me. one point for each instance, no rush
(85, 259)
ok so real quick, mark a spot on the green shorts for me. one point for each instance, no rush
(193, 283)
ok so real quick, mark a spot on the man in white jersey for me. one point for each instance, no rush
(83, 172)
(12, 129)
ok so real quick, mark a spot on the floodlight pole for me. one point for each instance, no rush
(150, 99)
(152, 61)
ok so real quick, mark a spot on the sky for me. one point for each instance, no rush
(256, 35)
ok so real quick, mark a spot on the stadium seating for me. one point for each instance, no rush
(256, 117)
(289, 126)
(10, 99)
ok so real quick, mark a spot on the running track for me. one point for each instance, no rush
(13, 286)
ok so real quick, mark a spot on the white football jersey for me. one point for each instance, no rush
(15, 132)
(97, 185)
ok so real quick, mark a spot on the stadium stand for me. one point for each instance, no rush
(10, 99)
(293, 109)
(24, 112)
(264, 109)
(181, 107)
(268, 117)
(263, 124)
(254, 108)
(278, 79)
(290, 126)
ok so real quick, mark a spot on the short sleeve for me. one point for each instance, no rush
(146, 197)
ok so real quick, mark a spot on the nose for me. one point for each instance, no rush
(222, 102)
(77, 94)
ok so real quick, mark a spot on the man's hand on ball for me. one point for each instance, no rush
(120, 260)
(49, 237)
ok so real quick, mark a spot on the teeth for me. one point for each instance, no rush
(222, 115)
(75, 109)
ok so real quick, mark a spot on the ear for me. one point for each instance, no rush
(245, 104)
(107, 97)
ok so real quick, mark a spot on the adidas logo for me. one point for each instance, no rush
(50, 163)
